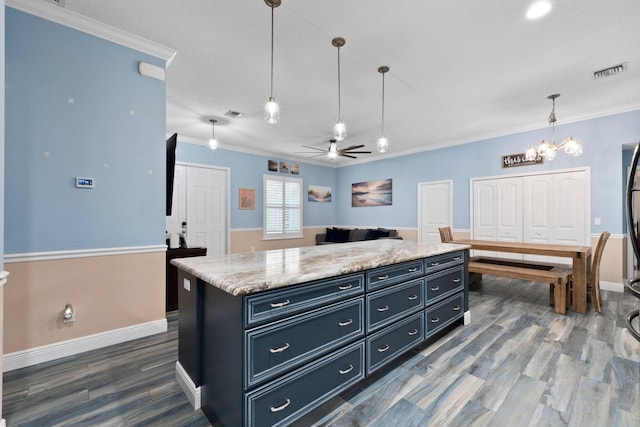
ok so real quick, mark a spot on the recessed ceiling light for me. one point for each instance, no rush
(538, 9)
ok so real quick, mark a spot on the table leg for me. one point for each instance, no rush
(581, 263)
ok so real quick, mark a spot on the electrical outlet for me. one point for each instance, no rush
(596, 221)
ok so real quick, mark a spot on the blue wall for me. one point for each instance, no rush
(602, 141)
(247, 171)
(114, 131)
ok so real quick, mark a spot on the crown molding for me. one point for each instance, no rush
(71, 19)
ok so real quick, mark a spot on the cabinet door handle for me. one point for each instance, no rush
(385, 308)
(383, 349)
(435, 288)
(413, 270)
(457, 258)
(456, 280)
(345, 287)
(435, 264)
(385, 277)
(281, 349)
(435, 320)
(281, 407)
(346, 371)
(412, 333)
(348, 322)
(413, 297)
(456, 308)
(280, 304)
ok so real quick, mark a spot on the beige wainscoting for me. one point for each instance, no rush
(108, 293)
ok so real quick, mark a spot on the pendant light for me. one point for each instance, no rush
(271, 108)
(383, 144)
(213, 143)
(548, 150)
(339, 130)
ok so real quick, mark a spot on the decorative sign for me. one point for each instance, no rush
(247, 198)
(519, 159)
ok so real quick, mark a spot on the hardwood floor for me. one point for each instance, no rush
(517, 364)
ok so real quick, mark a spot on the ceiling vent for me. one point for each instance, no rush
(611, 71)
(233, 114)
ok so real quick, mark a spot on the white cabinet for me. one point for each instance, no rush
(541, 208)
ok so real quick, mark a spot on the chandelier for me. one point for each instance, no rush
(549, 150)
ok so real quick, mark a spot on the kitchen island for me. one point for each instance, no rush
(265, 337)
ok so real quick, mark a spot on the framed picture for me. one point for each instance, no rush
(317, 193)
(295, 168)
(372, 193)
(247, 198)
(284, 167)
(273, 166)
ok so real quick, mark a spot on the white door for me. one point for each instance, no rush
(207, 208)
(434, 209)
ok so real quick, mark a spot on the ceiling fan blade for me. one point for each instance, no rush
(347, 155)
(353, 147)
(314, 148)
(358, 152)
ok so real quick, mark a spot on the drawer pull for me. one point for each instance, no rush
(435, 288)
(345, 287)
(457, 258)
(346, 371)
(348, 322)
(385, 308)
(383, 349)
(456, 280)
(435, 320)
(385, 277)
(413, 297)
(435, 264)
(281, 407)
(412, 333)
(279, 350)
(280, 304)
(456, 308)
(413, 270)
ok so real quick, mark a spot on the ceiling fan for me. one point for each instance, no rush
(332, 152)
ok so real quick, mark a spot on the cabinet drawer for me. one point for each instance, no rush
(273, 305)
(283, 401)
(441, 262)
(387, 305)
(386, 345)
(444, 283)
(277, 347)
(385, 276)
(444, 313)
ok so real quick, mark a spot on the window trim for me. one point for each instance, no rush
(283, 235)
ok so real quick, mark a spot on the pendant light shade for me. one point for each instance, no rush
(213, 143)
(383, 144)
(271, 108)
(339, 130)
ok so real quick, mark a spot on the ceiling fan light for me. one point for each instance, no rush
(333, 151)
(271, 111)
(383, 145)
(339, 131)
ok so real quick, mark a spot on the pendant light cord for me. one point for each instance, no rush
(272, 14)
(339, 109)
(382, 133)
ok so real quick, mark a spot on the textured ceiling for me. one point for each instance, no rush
(461, 70)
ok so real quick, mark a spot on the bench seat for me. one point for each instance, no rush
(557, 276)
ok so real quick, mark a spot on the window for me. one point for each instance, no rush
(282, 207)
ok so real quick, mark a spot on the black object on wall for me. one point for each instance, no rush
(171, 168)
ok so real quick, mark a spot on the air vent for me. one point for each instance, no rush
(233, 114)
(611, 71)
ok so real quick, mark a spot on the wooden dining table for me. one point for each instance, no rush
(580, 256)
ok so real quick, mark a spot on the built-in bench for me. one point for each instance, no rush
(556, 275)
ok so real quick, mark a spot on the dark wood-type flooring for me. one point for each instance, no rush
(517, 364)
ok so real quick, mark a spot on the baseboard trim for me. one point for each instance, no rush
(46, 353)
(611, 286)
(188, 386)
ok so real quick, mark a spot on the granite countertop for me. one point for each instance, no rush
(247, 273)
